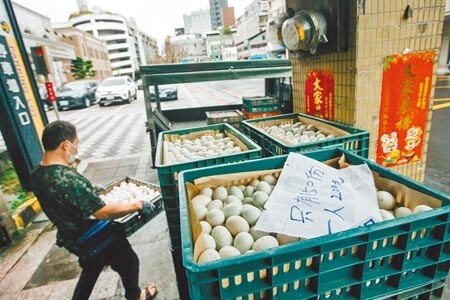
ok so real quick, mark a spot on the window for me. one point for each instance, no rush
(81, 23)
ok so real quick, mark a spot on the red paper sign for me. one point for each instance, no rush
(404, 107)
(319, 94)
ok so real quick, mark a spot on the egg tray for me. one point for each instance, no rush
(133, 222)
(407, 257)
(231, 117)
(347, 137)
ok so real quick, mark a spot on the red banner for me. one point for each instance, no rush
(319, 94)
(404, 107)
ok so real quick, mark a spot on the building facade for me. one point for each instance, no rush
(197, 22)
(251, 26)
(145, 47)
(89, 48)
(114, 31)
(128, 46)
(189, 46)
(215, 9)
(228, 17)
(276, 8)
(216, 42)
(37, 30)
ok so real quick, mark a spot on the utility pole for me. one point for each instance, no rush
(42, 66)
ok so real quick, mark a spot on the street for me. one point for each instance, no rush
(437, 173)
(215, 93)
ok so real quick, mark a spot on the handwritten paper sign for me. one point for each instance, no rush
(312, 199)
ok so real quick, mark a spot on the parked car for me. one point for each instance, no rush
(80, 93)
(166, 92)
(116, 89)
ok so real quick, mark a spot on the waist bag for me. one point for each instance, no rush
(97, 238)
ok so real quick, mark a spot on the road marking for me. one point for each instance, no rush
(440, 106)
(119, 108)
(191, 98)
(442, 87)
(231, 93)
(441, 99)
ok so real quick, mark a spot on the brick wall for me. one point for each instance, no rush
(376, 29)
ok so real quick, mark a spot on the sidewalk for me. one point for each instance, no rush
(35, 268)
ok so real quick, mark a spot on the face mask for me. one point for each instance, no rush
(72, 157)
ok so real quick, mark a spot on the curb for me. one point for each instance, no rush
(29, 210)
(26, 213)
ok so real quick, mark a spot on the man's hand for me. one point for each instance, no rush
(99, 188)
(147, 209)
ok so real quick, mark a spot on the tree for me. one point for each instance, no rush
(82, 69)
(227, 31)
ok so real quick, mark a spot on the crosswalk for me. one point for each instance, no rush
(111, 136)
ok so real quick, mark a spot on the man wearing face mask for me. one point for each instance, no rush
(69, 200)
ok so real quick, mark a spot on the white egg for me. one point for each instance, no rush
(385, 215)
(421, 208)
(385, 200)
(402, 211)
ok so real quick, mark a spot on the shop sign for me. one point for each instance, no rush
(405, 95)
(319, 94)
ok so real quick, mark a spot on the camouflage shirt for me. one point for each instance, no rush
(67, 198)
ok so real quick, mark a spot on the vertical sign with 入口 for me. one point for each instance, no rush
(319, 94)
(22, 117)
(18, 129)
(405, 95)
(14, 104)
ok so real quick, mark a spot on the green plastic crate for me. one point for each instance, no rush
(260, 104)
(134, 222)
(234, 116)
(398, 257)
(167, 174)
(357, 140)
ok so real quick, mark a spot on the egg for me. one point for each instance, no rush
(421, 208)
(385, 200)
(385, 215)
(402, 211)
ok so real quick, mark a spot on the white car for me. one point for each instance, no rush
(116, 89)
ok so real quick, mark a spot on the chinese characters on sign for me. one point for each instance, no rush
(16, 116)
(312, 199)
(308, 197)
(10, 80)
(404, 107)
(319, 94)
